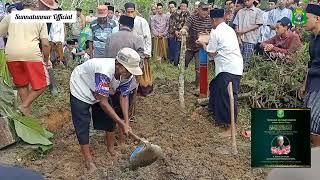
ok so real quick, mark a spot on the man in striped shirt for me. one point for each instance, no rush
(160, 27)
(247, 21)
(195, 24)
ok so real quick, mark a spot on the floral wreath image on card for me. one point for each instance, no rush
(280, 145)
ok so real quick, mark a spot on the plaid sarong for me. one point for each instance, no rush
(247, 51)
(312, 102)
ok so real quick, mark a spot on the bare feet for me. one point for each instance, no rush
(26, 111)
(91, 167)
(122, 140)
(225, 134)
(112, 151)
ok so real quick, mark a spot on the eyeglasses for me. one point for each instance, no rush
(204, 9)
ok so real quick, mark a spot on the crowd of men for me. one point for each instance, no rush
(113, 49)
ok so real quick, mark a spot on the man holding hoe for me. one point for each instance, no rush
(92, 85)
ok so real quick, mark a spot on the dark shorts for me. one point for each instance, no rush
(115, 99)
(81, 116)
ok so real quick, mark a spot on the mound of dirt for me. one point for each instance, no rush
(57, 119)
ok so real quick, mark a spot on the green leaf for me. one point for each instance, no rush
(30, 122)
(30, 135)
(6, 98)
(4, 71)
(45, 148)
(48, 134)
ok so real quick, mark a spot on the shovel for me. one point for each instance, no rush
(145, 154)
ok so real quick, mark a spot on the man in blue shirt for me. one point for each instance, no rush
(102, 28)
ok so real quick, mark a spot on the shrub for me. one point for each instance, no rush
(274, 84)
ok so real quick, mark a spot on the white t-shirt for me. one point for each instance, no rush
(56, 33)
(97, 76)
(223, 41)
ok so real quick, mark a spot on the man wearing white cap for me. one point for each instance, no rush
(92, 85)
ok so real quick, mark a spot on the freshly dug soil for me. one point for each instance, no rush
(190, 143)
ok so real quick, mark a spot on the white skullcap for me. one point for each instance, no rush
(280, 138)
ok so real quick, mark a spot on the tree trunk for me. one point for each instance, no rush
(182, 68)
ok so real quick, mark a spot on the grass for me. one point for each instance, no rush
(46, 102)
(168, 71)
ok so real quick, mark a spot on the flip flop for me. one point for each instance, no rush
(132, 119)
(246, 134)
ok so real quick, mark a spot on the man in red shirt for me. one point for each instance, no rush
(284, 43)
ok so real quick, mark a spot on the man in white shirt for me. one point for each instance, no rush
(56, 38)
(141, 27)
(92, 85)
(265, 30)
(224, 48)
(112, 16)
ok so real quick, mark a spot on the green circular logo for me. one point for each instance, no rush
(280, 113)
(299, 16)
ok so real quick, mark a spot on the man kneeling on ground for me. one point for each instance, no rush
(92, 84)
(284, 44)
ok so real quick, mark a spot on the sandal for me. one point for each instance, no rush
(246, 134)
(132, 119)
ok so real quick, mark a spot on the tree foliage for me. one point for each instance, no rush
(274, 84)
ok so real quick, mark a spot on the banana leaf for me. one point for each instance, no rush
(30, 135)
(4, 71)
(6, 99)
(27, 128)
(29, 122)
(7, 94)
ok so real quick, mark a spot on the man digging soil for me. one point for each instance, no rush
(92, 85)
